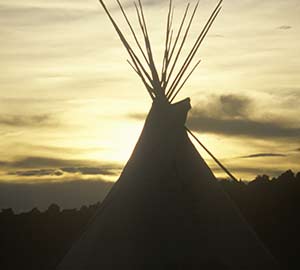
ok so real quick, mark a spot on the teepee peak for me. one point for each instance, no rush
(164, 84)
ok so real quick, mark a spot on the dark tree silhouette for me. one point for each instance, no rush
(38, 240)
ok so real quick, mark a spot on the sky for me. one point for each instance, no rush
(72, 109)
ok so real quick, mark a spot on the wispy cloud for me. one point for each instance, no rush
(43, 166)
(259, 155)
(41, 162)
(47, 162)
(254, 171)
(52, 149)
(137, 116)
(217, 36)
(41, 15)
(284, 27)
(110, 170)
(41, 172)
(30, 162)
(130, 4)
(28, 121)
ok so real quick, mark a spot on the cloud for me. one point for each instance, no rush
(232, 105)
(253, 171)
(41, 172)
(232, 115)
(137, 116)
(27, 121)
(264, 155)
(216, 36)
(35, 15)
(3, 163)
(241, 127)
(92, 170)
(41, 162)
(284, 27)
(108, 171)
(130, 4)
(45, 162)
(42, 166)
(56, 150)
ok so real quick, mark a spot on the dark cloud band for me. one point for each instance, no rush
(264, 155)
(43, 166)
(241, 127)
(232, 115)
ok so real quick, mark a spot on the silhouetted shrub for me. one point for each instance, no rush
(53, 210)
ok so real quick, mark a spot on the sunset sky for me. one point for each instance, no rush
(71, 107)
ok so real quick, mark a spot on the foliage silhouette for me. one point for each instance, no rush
(37, 240)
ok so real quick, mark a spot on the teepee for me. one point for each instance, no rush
(167, 210)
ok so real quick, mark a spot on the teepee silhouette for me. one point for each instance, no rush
(167, 210)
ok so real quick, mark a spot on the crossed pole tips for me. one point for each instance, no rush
(164, 84)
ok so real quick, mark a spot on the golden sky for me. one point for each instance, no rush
(71, 108)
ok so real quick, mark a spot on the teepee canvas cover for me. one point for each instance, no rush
(167, 210)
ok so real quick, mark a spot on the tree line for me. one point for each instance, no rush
(38, 240)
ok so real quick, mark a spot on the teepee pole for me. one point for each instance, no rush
(156, 87)
(138, 66)
(172, 50)
(213, 157)
(181, 45)
(182, 85)
(194, 50)
(132, 31)
(150, 91)
(167, 44)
